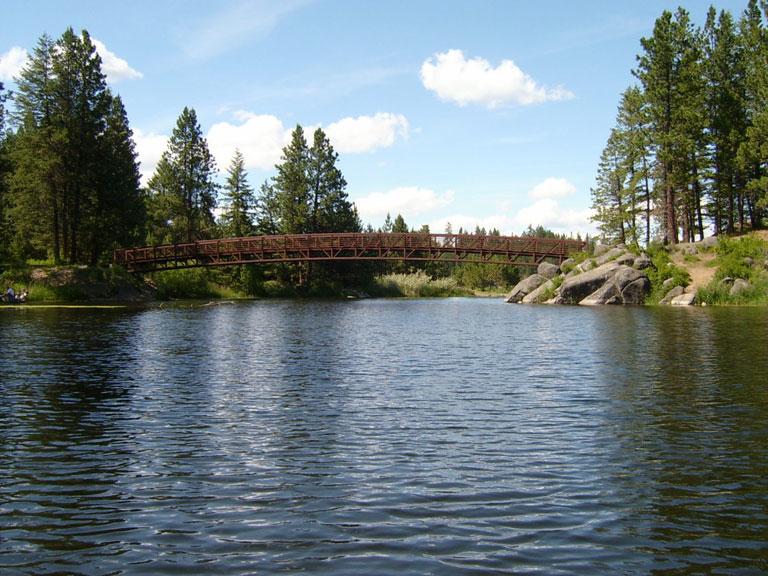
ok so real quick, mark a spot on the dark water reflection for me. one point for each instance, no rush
(423, 437)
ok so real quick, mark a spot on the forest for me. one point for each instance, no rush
(70, 190)
(688, 155)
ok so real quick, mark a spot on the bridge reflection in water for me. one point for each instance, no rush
(507, 250)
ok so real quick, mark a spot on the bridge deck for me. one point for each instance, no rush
(510, 250)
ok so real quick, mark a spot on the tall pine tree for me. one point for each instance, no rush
(182, 191)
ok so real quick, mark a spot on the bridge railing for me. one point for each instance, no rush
(349, 245)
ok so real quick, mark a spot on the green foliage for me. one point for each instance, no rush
(732, 255)
(662, 269)
(192, 283)
(417, 284)
(182, 193)
(239, 201)
(74, 184)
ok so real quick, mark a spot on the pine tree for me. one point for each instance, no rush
(753, 149)
(118, 213)
(399, 225)
(609, 197)
(291, 187)
(182, 189)
(330, 209)
(668, 71)
(239, 201)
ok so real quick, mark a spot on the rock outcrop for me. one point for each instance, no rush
(525, 287)
(613, 276)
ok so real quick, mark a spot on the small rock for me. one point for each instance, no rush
(685, 299)
(626, 259)
(567, 263)
(601, 249)
(739, 285)
(548, 270)
(727, 281)
(709, 242)
(748, 262)
(642, 262)
(612, 254)
(671, 295)
(668, 283)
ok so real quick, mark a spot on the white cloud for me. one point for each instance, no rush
(260, 138)
(454, 78)
(367, 133)
(115, 68)
(12, 62)
(150, 148)
(552, 188)
(548, 213)
(410, 201)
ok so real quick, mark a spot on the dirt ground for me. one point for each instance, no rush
(700, 269)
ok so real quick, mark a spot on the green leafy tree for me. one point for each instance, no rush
(239, 200)
(399, 224)
(182, 191)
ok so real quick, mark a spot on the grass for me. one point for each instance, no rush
(731, 261)
(417, 284)
(192, 283)
(662, 269)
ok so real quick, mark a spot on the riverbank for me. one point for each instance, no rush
(717, 271)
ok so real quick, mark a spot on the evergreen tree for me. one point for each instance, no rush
(74, 189)
(330, 210)
(5, 168)
(399, 225)
(609, 197)
(239, 201)
(291, 187)
(668, 71)
(753, 149)
(118, 213)
(182, 190)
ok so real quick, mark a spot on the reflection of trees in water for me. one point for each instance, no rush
(687, 417)
(63, 401)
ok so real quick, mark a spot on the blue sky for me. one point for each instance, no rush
(475, 113)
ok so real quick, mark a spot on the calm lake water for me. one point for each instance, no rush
(455, 436)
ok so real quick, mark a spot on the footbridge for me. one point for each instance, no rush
(509, 250)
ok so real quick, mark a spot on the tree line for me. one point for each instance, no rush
(70, 182)
(689, 151)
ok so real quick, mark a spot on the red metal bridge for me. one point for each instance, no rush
(508, 250)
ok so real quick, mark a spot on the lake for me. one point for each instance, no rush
(448, 436)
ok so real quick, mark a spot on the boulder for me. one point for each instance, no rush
(601, 249)
(585, 266)
(674, 293)
(739, 285)
(567, 264)
(626, 259)
(642, 262)
(525, 287)
(726, 282)
(607, 292)
(668, 283)
(548, 270)
(748, 262)
(556, 300)
(576, 288)
(709, 242)
(685, 299)
(636, 291)
(537, 295)
(612, 254)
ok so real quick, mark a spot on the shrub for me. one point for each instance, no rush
(661, 270)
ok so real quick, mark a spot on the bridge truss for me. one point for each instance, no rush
(346, 246)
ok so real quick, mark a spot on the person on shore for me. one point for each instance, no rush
(10, 295)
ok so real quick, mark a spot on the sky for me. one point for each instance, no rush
(474, 113)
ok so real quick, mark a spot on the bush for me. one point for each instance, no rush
(418, 284)
(661, 270)
(190, 283)
(731, 255)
